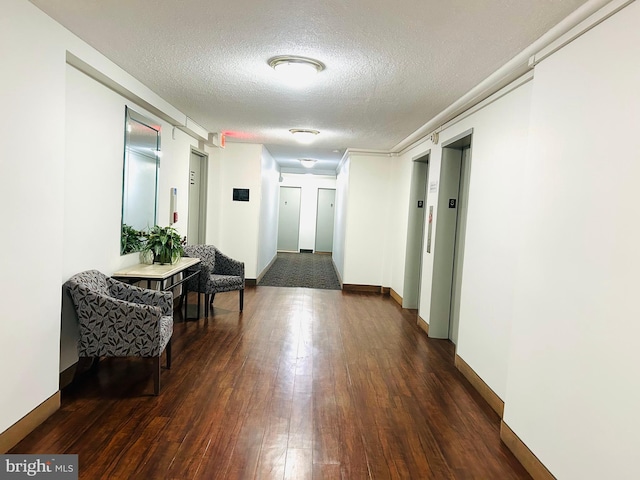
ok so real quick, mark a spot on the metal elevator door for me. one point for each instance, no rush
(324, 220)
(289, 219)
(197, 200)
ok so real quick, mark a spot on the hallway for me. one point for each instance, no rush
(304, 384)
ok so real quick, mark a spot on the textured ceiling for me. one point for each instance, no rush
(391, 66)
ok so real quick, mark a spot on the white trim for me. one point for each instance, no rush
(502, 77)
(598, 17)
(164, 111)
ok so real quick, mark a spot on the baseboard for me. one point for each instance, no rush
(525, 456)
(395, 296)
(335, 269)
(27, 424)
(352, 287)
(67, 375)
(422, 323)
(483, 389)
(265, 269)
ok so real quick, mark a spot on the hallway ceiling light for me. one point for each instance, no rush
(296, 71)
(307, 162)
(304, 135)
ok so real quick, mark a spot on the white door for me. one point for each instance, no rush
(289, 219)
(324, 220)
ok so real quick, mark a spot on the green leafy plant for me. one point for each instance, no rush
(165, 243)
(131, 240)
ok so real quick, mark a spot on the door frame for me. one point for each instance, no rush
(445, 285)
(204, 183)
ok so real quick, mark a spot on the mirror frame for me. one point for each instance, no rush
(132, 118)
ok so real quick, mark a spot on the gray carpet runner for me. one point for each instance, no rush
(309, 270)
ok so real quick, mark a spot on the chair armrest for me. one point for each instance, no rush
(131, 293)
(114, 327)
(228, 266)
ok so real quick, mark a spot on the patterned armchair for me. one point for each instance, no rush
(219, 274)
(121, 320)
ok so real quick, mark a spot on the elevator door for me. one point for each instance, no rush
(324, 220)
(289, 219)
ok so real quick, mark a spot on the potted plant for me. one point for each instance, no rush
(165, 243)
(131, 240)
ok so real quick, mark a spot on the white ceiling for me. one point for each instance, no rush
(391, 65)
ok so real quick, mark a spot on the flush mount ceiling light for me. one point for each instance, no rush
(307, 162)
(304, 135)
(294, 70)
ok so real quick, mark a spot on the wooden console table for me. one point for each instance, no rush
(188, 266)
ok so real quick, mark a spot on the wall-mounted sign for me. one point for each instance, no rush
(240, 194)
(452, 203)
(420, 204)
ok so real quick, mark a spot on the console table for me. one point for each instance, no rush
(188, 266)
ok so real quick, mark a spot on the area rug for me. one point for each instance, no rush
(309, 270)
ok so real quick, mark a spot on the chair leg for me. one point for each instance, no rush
(168, 350)
(84, 364)
(156, 375)
(241, 299)
(206, 305)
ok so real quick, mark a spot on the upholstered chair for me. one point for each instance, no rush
(219, 273)
(121, 320)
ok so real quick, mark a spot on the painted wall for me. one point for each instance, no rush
(500, 132)
(238, 228)
(93, 185)
(65, 182)
(268, 231)
(32, 173)
(214, 196)
(340, 223)
(573, 387)
(309, 185)
(366, 258)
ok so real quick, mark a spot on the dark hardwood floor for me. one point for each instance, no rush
(304, 384)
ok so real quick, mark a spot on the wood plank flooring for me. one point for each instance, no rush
(305, 384)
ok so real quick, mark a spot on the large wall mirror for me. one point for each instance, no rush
(139, 179)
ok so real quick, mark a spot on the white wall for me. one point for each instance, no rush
(366, 252)
(95, 118)
(268, 231)
(65, 205)
(214, 196)
(32, 173)
(238, 228)
(340, 222)
(573, 386)
(309, 185)
(499, 145)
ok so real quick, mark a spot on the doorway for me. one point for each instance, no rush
(289, 219)
(324, 220)
(196, 221)
(448, 261)
(415, 232)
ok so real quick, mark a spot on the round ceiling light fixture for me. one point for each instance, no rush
(295, 70)
(304, 135)
(307, 162)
